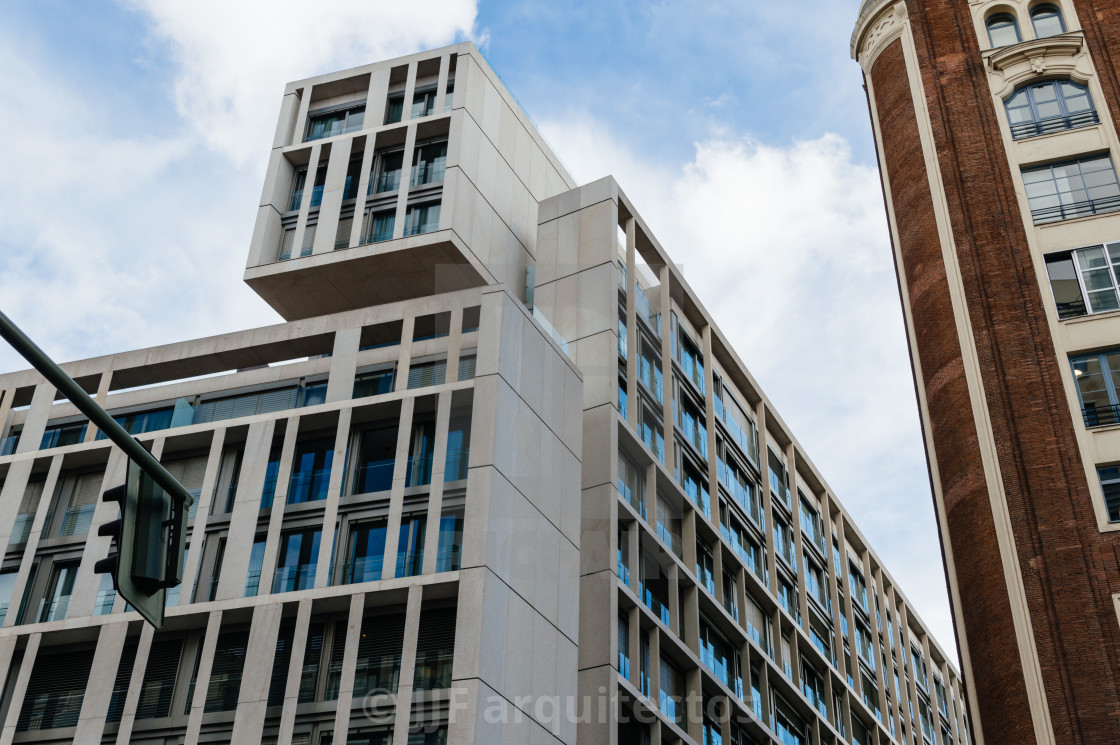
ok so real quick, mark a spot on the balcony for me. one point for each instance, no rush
(53, 609)
(747, 441)
(654, 603)
(1071, 210)
(1023, 130)
(291, 578)
(362, 569)
(449, 559)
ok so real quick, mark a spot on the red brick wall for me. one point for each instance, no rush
(1069, 569)
(987, 615)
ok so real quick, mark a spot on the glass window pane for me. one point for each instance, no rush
(1103, 301)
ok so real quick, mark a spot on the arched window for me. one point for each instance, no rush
(1047, 21)
(1041, 108)
(1003, 30)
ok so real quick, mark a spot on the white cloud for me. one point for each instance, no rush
(788, 248)
(118, 235)
(234, 58)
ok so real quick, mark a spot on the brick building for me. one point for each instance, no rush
(995, 126)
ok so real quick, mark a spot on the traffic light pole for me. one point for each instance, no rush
(114, 431)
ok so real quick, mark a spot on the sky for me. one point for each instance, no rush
(137, 134)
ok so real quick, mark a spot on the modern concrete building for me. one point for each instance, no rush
(498, 478)
(995, 123)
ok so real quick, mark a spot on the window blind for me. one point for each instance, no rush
(427, 373)
(379, 654)
(467, 367)
(225, 673)
(308, 240)
(287, 240)
(189, 472)
(159, 679)
(120, 683)
(281, 662)
(342, 235)
(55, 690)
(623, 636)
(312, 656)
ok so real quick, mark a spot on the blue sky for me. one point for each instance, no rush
(138, 132)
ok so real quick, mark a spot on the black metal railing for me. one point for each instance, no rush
(1052, 124)
(1101, 416)
(1076, 209)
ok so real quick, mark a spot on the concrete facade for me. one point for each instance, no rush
(498, 478)
(987, 205)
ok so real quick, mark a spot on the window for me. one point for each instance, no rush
(422, 218)
(1085, 281)
(225, 671)
(450, 548)
(423, 102)
(394, 107)
(458, 448)
(428, 163)
(435, 647)
(1110, 484)
(410, 546)
(375, 458)
(298, 183)
(55, 690)
(672, 691)
(56, 601)
(379, 655)
(159, 678)
(1003, 30)
(374, 383)
(1076, 188)
(84, 490)
(311, 470)
(1047, 21)
(378, 226)
(420, 453)
(299, 553)
(1098, 377)
(334, 121)
(61, 435)
(256, 562)
(425, 374)
(367, 552)
(388, 176)
(1042, 108)
(21, 529)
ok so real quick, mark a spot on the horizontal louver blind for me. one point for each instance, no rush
(334, 666)
(787, 665)
(87, 488)
(287, 240)
(120, 683)
(225, 674)
(278, 400)
(426, 374)
(159, 679)
(308, 240)
(379, 654)
(55, 690)
(623, 636)
(670, 679)
(280, 664)
(189, 472)
(342, 235)
(312, 654)
(754, 615)
(437, 631)
(31, 496)
(466, 367)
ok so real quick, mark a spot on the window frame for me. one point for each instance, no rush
(1038, 125)
(1113, 267)
(1050, 10)
(1084, 208)
(345, 109)
(999, 21)
(1094, 419)
(1111, 504)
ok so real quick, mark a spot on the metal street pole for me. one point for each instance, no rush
(114, 431)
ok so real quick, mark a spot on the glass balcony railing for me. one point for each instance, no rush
(695, 434)
(668, 705)
(419, 471)
(53, 610)
(21, 529)
(363, 569)
(449, 559)
(623, 570)
(104, 604)
(252, 583)
(654, 604)
(309, 486)
(716, 664)
(289, 579)
(410, 563)
(77, 520)
(747, 441)
(457, 465)
(623, 664)
(374, 476)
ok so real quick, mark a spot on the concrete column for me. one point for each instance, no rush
(409, 92)
(435, 493)
(97, 547)
(344, 362)
(246, 511)
(99, 689)
(767, 506)
(304, 95)
(634, 623)
(332, 195)
(15, 483)
(634, 558)
(102, 396)
(408, 326)
(710, 426)
(7, 651)
(376, 99)
(135, 682)
(308, 188)
(406, 160)
(202, 515)
(798, 539)
(252, 697)
(396, 495)
(633, 347)
(20, 688)
(202, 682)
(334, 491)
(693, 705)
(366, 176)
(666, 304)
(349, 664)
(408, 664)
(295, 671)
(28, 559)
(279, 500)
(454, 341)
(6, 399)
(37, 415)
(441, 86)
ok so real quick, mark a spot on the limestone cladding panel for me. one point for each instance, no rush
(1069, 568)
(987, 613)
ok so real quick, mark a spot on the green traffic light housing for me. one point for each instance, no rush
(149, 543)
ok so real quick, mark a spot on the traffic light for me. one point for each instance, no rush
(149, 543)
